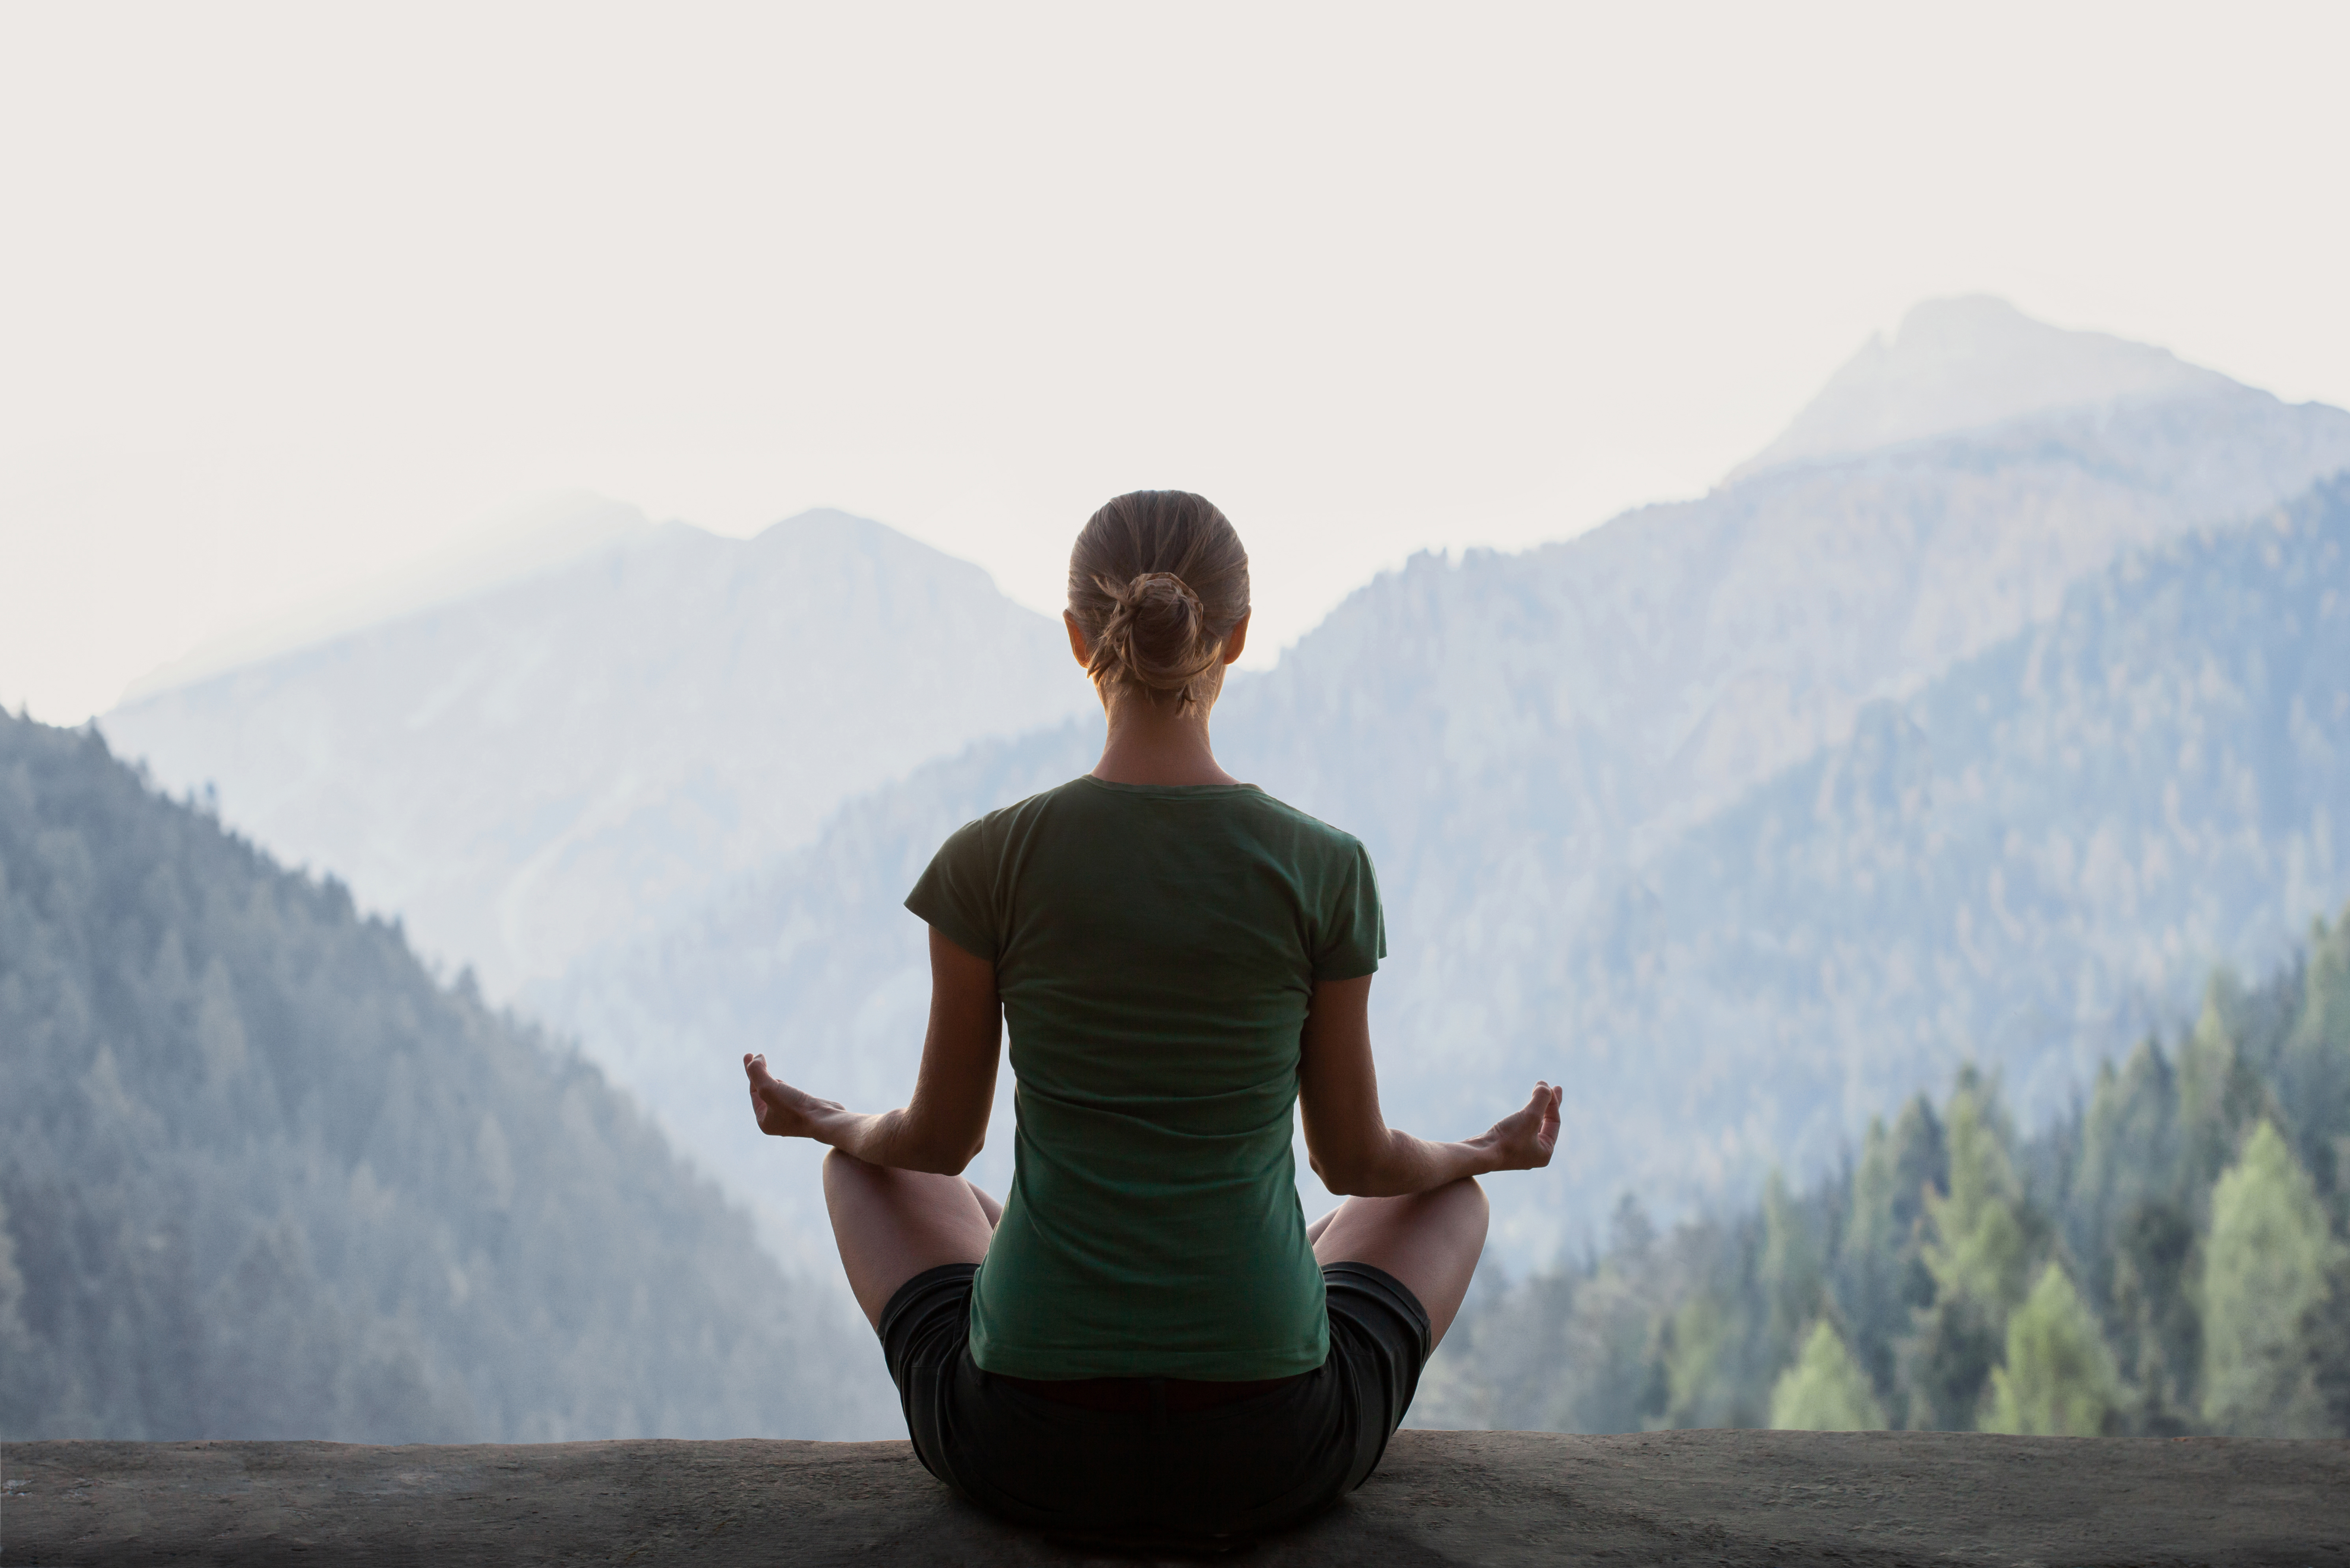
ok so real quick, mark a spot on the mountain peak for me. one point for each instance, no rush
(1962, 364)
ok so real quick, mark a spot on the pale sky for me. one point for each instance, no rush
(292, 296)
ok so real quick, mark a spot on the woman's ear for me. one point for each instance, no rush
(1235, 639)
(1078, 644)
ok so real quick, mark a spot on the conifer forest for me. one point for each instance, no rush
(2169, 1259)
(261, 1174)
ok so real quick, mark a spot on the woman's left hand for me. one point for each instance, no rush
(1525, 1138)
(784, 1111)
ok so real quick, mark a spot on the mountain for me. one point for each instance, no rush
(262, 1176)
(558, 762)
(1518, 738)
(2025, 866)
(1956, 365)
(1618, 686)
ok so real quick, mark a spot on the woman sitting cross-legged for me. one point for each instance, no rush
(1147, 1336)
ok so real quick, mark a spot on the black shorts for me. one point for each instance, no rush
(1257, 1463)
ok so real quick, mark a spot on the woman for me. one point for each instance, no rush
(1146, 1335)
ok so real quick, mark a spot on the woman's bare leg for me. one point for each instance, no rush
(892, 1225)
(1430, 1240)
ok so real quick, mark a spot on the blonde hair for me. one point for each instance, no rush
(1158, 579)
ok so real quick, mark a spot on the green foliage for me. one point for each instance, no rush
(2157, 1332)
(2059, 1380)
(2219, 1094)
(1826, 1390)
(2174, 1262)
(1870, 1255)
(1700, 1352)
(2129, 1148)
(1794, 1268)
(2314, 1078)
(1978, 1245)
(2266, 1273)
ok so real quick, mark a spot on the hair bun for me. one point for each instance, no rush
(1144, 587)
(1157, 581)
(1157, 636)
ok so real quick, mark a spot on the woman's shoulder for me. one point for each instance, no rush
(1301, 831)
(992, 826)
(1275, 808)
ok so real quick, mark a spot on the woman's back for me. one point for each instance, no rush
(1156, 948)
(1146, 1335)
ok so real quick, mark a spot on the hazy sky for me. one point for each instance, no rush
(289, 297)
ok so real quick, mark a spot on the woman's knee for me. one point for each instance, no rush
(855, 1191)
(1477, 1198)
(1468, 1211)
(1461, 1203)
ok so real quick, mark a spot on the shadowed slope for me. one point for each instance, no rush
(262, 1176)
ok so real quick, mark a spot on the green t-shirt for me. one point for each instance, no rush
(1156, 948)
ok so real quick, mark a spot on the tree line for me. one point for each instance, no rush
(2169, 1258)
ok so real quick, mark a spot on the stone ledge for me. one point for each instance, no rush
(1441, 1497)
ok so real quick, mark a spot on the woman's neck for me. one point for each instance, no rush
(1157, 744)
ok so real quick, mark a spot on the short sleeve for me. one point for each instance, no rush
(956, 896)
(1353, 928)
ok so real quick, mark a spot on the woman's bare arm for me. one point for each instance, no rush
(1353, 1150)
(945, 1124)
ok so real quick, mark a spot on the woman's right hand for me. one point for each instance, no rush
(1524, 1139)
(783, 1111)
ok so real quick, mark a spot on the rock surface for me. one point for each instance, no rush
(1439, 1498)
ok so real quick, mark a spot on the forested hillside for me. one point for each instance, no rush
(262, 1176)
(2168, 1258)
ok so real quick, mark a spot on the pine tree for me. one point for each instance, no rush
(1826, 1390)
(2158, 1334)
(1979, 1239)
(1873, 1255)
(1792, 1271)
(2265, 1275)
(1699, 1347)
(2059, 1380)
(2220, 1096)
(2314, 1080)
(2129, 1154)
(1978, 1243)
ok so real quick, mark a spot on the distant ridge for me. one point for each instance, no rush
(539, 536)
(1964, 364)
